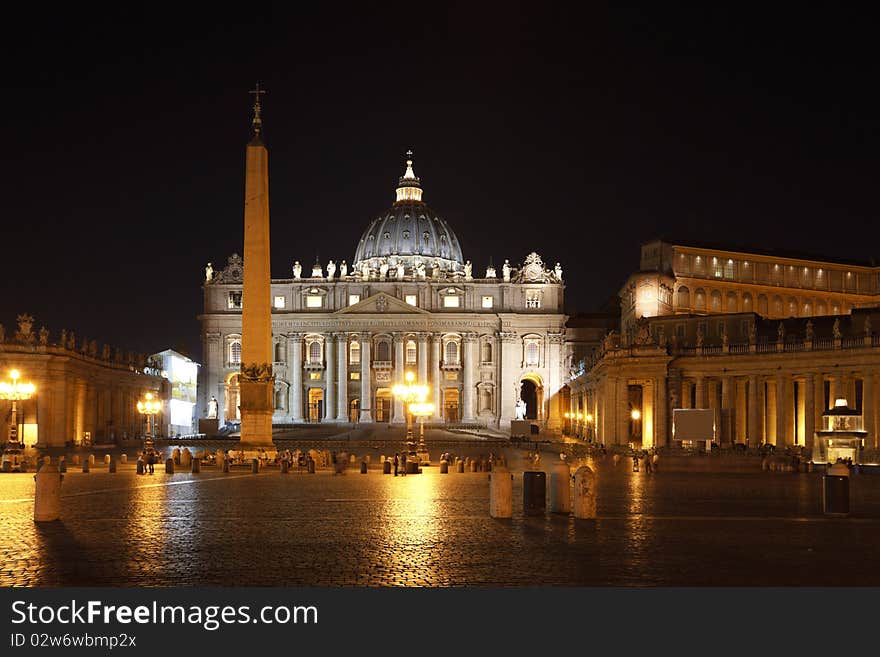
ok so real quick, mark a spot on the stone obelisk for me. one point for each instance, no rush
(256, 381)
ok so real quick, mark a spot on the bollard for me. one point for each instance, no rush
(353, 459)
(367, 459)
(444, 467)
(474, 466)
(255, 465)
(225, 464)
(461, 466)
(76, 459)
(363, 467)
(47, 494)
(584, 493)
(185, 457)
(111, 466)
(91, 459)
(123, 458)
(140, 466)
(386, 467)
(175, 454)
(284, 466)
(169, 465)
(534, 492)
(501, 493)
(835, 491)
(560, 488)
(85, 467)
(106, 459)
(615, 459)
(62, 464)
(311, 467)
(196, 465)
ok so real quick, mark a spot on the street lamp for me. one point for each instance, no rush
(636, 415)
(15, 392)
(409, 394)
(149, 407)
(422, 410)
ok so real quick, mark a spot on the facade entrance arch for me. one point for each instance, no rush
(451, 404)
(232, 407)
(532, 393)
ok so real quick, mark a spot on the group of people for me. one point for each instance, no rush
(399, 463)
(147, 462)
(651, 459)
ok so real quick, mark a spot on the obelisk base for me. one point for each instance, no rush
(256, 414)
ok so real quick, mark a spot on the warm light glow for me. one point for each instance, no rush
(579, 416)
(149, 406)
(421, 409)
(635, 414)
(16, 391)
(567, 416)
(410, 377)
(840, 401)
(589, 417)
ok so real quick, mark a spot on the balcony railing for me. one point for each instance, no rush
(382, 365)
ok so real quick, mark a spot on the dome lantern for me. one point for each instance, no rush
(409, 188)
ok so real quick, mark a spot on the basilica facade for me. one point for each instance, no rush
(345, 334)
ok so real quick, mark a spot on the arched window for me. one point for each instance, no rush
(792, 307)
(762, 304)
(821, 308)
(315, 352)
(235, 352)
(731, 302)
(684, 298)
(808, 309)
(485, 399)
(778, 308)
(279, 399)
(531, 353)
(700, 299)
(354, 353)
(451, 353)
(747, 303)
(716, 301)
(486, 355)
(279, 352)
(383, 350)
(410, 352)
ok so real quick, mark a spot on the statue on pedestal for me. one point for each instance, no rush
(836, 329)
(520, 409)
(331, 269)
(209, 273)
(212, 408)
(400, 270)
(383, 270)
(558, 271)
(297, 269)
(468, 270)
(343, 269)
(420, 270)
(505, 270)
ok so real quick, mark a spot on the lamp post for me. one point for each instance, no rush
(636, 415)
(410, 393)
(149, 407)
(15, 392)
(422, 410)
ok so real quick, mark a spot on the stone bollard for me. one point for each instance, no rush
(169, 465)
(353, 459)
(185, 457)
(311, 467)
(461, 466)
(584, 493)
(76, 459)
(367, 459)
(91, 459)
(474, 466)
(106, 459)
(175, 454)
(111, 466)
(501, 493)
(62, 464)
(386, 467)
(196, 465)
(255, 465)
(835, 491)
(363, 467)
(534, 492)
(444, 467)
(85, 467)
(123, 458)
(615, 459)
(47, 494)
(140, 466)
(560, 488)
(225, 464)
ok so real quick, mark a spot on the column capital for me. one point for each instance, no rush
(436, 338)
(340, 336)
(365, 335)
(507, 336)
(295, 336)
(423, 336)
(469, 336)
(212, 337)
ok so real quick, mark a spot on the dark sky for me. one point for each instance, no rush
(577, 133)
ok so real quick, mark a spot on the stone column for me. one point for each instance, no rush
(623, 411)
(700, 385)
(753, 436)
(295, 363)
(685, 393)
(399, 414)
(819, 401)
(782, 438)
(437, 376)
(740, 421)
(728, 432)
(869, 410)
(423, 359)
(469, 342)
(809, 398)
(342, 377)
(833, 391)
(329, 378)
(770, 423)
(661, 421)
(366, 384)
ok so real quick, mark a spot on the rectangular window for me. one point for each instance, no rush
(411, 300)
(679, 331)
(314, 301)
(533, 300)
(353, 299)
(729, 269)
(450, 301)
(354, 376)
(234, 300)
(488, 301)
(279, 302)
(314, 376)
(451, 376)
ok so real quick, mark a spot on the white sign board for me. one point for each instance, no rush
(693, 424)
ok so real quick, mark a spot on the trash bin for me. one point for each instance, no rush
(534, 492)
(444, 467)
(363, 467)
(386, 467)
(311, 466)
(835, 491)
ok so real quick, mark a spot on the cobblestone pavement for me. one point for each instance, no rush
(671, 528)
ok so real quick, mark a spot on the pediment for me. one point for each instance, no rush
(382, 304)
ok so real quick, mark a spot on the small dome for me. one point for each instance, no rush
(409, 232)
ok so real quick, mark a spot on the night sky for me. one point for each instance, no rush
(577, 133)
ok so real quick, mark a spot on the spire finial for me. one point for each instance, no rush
(257, 122)
(409, 188)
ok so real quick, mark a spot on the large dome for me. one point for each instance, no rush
(410, 233)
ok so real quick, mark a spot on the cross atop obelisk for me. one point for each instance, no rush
(257, 122)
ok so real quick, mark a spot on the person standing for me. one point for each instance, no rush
(396, 463)
(151, 460)
(403, 464)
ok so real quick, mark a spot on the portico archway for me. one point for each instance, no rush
(532, 393)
